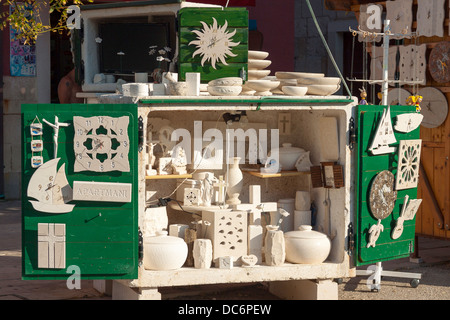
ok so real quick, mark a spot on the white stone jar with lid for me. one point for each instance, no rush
(306, 246)
(163, 252)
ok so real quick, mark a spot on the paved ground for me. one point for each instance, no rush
(434, 270)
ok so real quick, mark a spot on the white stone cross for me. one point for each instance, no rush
(51, 245)
(221, 184)
(56, 133)
(256, 207)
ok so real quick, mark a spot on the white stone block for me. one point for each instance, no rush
(228, 232)
(177, 230)
(255, 241)
(226, 262)
(155, 219)
(193, 83)
(51, 245)
(202, 253)
(255, 194)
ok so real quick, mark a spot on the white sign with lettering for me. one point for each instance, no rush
(101, 191)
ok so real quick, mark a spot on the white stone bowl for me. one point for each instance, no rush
(257, 74)
(306, 246)
(262, 85)
(296, 75)
(227, 81)
(258, 55)
(224, 90)
(322, 90)
(254, 64)
(319, 81)
(294, 90)
(164, 252)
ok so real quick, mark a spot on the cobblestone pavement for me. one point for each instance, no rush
(434, 270)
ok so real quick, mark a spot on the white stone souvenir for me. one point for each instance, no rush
(51, 245)
(430, 18)
(412, 65)
(90, 129)
(384, 135)
(165, 166)
(177, 230)
(408, 122)
(202, 253)
(192, 197)
(163, 252)
(155, 220)
(234, 180)
(102, 191)
(228, 232)
(193, 83)
(376, 62)
(374, 233)
(256, 206)
(56, 127)
(409, 211)
(274, 246)
(408, 164)
(207, 189)
(255, 241)
(262, 87)
(225, 262)
(382, 195)
(50, 188)
(400, 15)
(249, 260)
(307, 246)
(179, 161)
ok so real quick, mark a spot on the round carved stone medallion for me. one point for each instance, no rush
(382, 195)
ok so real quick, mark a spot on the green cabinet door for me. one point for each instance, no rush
(378, 202)
(213, 42)
(79, 206)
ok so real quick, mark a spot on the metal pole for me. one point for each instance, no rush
(385, 83)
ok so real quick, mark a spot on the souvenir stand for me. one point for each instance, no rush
(215, 172)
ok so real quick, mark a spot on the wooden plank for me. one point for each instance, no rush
(439, 187)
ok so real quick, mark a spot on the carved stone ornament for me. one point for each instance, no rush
(400, 13)
(382, 195)
(430, 18)
(413, 65)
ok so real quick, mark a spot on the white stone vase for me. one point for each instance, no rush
(202, 253)
(274, 247)
(234, 180)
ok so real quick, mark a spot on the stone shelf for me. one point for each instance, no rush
(276, 175)
(168, 176)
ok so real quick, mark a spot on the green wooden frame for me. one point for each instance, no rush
(103, 247)
(367, 167)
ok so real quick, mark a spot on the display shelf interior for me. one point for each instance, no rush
(168, 176)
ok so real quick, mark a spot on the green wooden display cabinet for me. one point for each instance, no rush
(99, 144)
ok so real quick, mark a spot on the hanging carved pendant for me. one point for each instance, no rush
(374, 233)
(409, 211)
